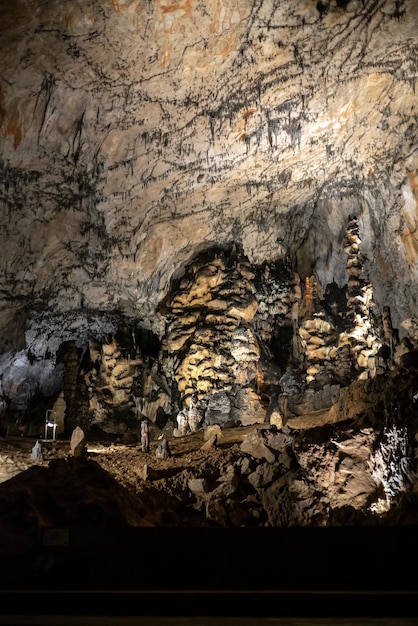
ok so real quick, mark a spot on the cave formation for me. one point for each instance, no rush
(210, 210)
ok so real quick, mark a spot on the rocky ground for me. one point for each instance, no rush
(142, 473)
(238, 476)
(243, 476)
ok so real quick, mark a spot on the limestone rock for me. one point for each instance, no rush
(276, 418)
(212, 432)
(209, 443)
(254, 445)
(247, 407)
(78, 442)
(36, 454)
(264, 474)
(216, 508)
(218, 408)
(163, 449)
(201, 198)
(198, 485)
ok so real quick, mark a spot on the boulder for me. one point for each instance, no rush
(255, 446)
(78, 442)
(198, 486)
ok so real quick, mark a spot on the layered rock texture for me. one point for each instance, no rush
(209, 219)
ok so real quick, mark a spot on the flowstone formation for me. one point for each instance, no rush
(208, 219)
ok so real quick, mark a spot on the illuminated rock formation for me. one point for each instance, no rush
(200, 198)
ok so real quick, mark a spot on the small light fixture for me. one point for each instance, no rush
(50, 423)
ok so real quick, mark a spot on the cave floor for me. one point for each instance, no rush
(307, 577)
(126, 462)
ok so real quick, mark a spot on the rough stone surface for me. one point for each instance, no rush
(254, 445)
(154, 128)
(78, 442)
(209, 210)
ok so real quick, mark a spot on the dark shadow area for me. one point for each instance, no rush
(287, 572)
